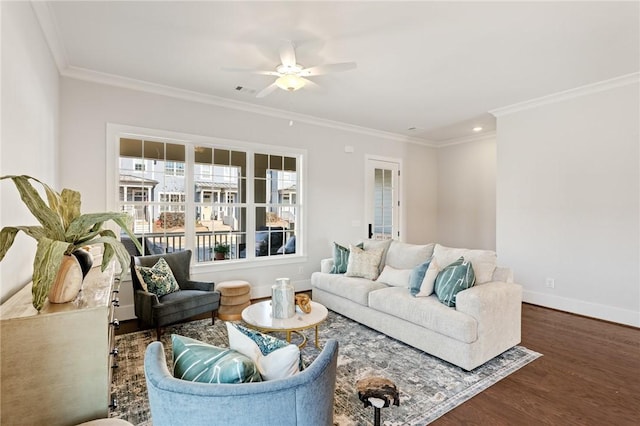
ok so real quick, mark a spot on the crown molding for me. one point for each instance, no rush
(188, 95)
(51, 32)
(467, 139)
(569, 94)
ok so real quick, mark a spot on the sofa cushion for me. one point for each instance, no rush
(275, 358)
(158, 279)
(363, 263)
(395, 277)
(429, 280)
(407, 256)
(341, 258)
(197, 361)
(354, 289)
(484, 261)
(453, 279)
(427, 312)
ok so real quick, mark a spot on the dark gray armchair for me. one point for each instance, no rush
(194, 297)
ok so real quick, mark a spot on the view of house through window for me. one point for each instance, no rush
(204, 204)
(275, 180)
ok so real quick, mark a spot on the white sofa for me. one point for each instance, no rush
(484, 323)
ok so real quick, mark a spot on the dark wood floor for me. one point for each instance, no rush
(589, 375)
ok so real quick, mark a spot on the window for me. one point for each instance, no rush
(220, 201)
(198, 195)
(153, 195)
(275, 180)
(173, 168)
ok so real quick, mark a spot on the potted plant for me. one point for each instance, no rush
(221, 250)
(63, 231)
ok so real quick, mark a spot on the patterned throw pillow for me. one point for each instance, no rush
(341, 258)
(452, 279)
(200, 362)
(275, 358)
(159, 279)
(363, 263)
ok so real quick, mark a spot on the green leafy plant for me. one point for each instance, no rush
(62, 230)
(222, 249)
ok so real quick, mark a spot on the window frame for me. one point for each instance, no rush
(116, 131)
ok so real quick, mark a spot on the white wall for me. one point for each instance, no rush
(30, 87)
(335, 180)
(467, 194)
(568, 203)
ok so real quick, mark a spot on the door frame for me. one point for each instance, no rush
(367, 194)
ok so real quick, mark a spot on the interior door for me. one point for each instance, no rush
(382, 199)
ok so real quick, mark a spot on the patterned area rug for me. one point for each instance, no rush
(429, 387)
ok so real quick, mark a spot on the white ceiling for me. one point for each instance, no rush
(436, 66)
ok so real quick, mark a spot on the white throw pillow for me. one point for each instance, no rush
(407, 256)
(363, 263)
(395, 277)
(484, 262)
(429, 280)
(274, 358)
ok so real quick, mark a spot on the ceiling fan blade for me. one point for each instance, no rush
(250, 71)
(328, 68)
(267, 90)
(308, 84)
(288, 54)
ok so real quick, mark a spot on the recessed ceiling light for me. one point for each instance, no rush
(477, 129)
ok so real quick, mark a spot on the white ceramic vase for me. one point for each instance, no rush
(283, 302)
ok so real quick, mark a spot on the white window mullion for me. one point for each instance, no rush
(190, 205)
(250, 208)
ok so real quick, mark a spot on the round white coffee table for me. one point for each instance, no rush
(259, 317)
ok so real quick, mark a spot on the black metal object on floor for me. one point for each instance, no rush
(377, 392)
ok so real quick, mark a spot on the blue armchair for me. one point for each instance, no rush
(305, 399)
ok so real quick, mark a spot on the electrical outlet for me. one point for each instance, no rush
(551, 283)
(300, 269)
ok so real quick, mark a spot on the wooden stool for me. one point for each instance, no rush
(378, 392)
(234, 297)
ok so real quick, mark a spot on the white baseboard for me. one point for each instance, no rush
(580, 307)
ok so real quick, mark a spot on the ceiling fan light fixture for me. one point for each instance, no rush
(290, 82)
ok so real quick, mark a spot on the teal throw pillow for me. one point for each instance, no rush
(453, 279)
(417, 276)
(274, 357)
(341, 258)
(159, 279)
(197, 361)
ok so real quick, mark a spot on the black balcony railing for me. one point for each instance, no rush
(268, 242)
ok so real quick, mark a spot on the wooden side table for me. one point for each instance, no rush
(234, 297)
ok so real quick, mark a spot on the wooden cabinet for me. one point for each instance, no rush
(55, 366)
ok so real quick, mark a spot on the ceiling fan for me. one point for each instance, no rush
(291, 75)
